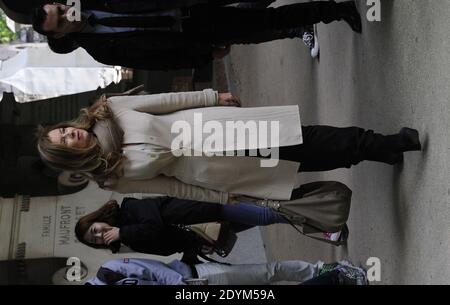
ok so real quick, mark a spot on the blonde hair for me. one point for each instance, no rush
(92, 161)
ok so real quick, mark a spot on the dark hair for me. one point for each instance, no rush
(38, 19)
(109, 214)
(62, 45)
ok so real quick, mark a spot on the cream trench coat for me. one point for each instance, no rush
(152, 167)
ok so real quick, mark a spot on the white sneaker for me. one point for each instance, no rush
(310, 39)
(332, 236)
(315, 50)
(351, 274)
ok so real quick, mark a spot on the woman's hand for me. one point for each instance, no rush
(111, 236)
(226, 99)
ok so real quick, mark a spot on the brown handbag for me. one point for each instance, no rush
(316, 210)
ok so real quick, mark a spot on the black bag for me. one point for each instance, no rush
(218, 235)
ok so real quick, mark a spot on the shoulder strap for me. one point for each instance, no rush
(209, 259)
(198, 249)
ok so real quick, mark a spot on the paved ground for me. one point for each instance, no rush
(396, 74)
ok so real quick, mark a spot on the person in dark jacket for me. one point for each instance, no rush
(177, 34)
(152, 225)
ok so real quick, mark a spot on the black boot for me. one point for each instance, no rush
(406, 140)
(349, 13)
(387, 149)
(390, 149)
(409, 140)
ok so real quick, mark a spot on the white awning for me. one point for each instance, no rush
(38, 73)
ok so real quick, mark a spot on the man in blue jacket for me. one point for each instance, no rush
(130, 271)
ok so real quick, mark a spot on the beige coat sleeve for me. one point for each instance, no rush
(167, 102)
(171, 187)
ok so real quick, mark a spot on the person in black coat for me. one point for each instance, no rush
(177, 34)
(152, 225)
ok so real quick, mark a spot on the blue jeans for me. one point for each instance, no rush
(244, 216)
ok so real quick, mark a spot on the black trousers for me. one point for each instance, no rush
(327, 148)
(231, 25)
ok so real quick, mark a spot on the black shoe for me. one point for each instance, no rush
(410, 140)
(349, 13)
(255, 5)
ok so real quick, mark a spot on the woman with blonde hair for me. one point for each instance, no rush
(126, 144)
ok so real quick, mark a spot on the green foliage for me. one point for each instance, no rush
(6, 35)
